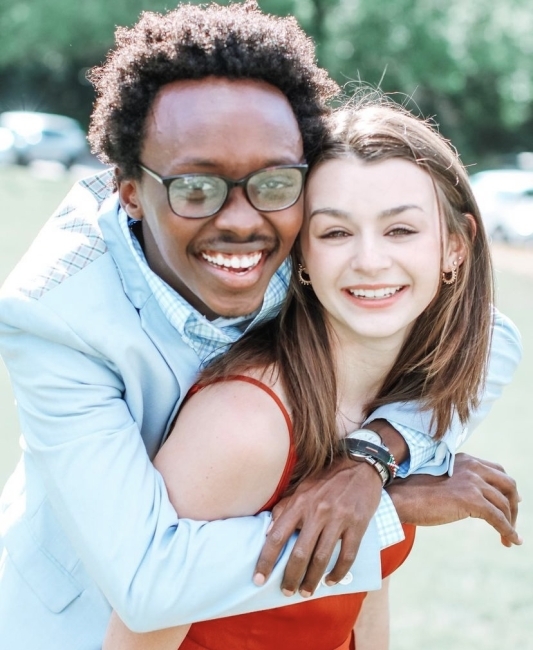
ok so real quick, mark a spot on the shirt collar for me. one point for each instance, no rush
(213, 335)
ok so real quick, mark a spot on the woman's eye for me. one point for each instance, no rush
(334, 234)
(399, 231)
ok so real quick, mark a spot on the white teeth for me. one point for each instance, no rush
(375, 293)
(245, 262)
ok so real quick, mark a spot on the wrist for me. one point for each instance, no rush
(347, 463)
(392, 439)
(400, 494)
(374, 476)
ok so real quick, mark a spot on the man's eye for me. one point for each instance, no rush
(275, 184)
(195, 189)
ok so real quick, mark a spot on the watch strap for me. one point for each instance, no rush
(362, 448)
(380, 468)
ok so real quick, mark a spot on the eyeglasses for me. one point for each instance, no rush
(200, 195)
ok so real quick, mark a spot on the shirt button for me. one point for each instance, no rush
(348, 578)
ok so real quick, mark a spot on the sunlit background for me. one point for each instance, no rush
(466, 63)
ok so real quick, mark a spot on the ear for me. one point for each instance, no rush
(128, 192)
(456, 249)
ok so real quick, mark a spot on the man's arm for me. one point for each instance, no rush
(156, 570)
(415, 450)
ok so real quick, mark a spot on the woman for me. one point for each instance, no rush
(390, 300)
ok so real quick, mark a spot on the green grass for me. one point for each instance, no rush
(460, 589)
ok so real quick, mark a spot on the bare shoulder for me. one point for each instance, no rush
(227, 451)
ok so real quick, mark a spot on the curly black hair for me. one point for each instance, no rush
(237, 41)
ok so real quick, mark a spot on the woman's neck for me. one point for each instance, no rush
(361, 368)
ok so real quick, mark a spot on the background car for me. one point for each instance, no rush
(7, 143)
(44, 136)
(505, 198)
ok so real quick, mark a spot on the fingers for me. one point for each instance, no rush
(507, 486)
(501, 492)
(306, 552)
(506, 495)
(278, 535)
(310, 558)
(349, 548)
(323, 551)
(323, 510)
(496, 511)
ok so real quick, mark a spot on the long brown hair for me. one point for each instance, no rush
(443, 361)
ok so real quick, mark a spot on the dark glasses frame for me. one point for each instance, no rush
(167, 181)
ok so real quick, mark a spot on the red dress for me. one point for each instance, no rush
(319, 624)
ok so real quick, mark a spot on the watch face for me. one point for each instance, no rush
(367, 435)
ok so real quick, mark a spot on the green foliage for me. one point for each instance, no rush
(469, 66)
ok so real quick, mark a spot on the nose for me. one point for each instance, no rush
(238, 215)
(370, 254)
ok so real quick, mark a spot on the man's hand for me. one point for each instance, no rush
(478, 488)
(337, 505)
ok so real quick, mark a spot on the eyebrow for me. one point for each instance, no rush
(342, 214)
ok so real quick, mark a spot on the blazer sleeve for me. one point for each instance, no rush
(154, 569)
(436, 457)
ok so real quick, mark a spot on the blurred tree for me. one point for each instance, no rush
(48, 45)
(468, 64)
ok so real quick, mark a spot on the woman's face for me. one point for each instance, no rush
(372, 245)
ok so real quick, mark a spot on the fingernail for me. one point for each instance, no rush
(269, 527)
(330, 583)
(304, 593)
(520, 539)
(287, 593)
(259, 579)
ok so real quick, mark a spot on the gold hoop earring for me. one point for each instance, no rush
(449, 277)
(301, 270)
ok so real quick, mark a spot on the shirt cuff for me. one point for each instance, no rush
(426, 455)
(388, 523)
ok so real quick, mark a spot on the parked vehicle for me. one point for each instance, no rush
(44, 136)
(505, 198)
(7, 151)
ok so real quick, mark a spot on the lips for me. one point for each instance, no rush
(232, 262)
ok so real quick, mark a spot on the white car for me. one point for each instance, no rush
(44, 136)
(505, 198)
(7, 144)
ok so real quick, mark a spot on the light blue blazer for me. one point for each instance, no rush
(85, 521)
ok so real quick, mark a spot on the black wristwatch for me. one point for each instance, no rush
(365, 445)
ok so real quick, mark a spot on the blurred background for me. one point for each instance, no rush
(464, 63)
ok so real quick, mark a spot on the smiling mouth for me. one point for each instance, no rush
(233, 263)
(375, 294)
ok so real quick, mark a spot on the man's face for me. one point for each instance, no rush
(220, 264)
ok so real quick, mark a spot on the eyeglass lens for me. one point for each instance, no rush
(202, 195)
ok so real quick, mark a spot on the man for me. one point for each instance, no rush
(124, 295)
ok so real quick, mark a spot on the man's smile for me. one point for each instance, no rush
(233, 262)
